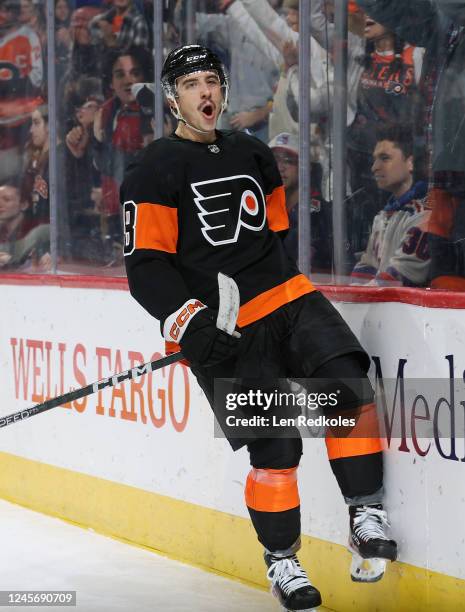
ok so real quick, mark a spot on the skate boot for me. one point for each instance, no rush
(368, 543)
(290, 585)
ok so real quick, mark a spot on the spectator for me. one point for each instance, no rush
(21, 76)
(252, 81)
(63, 40)
(21, 242)
(123, 27)
(121, 129)
(84, 61)
(32, 15)
(276, 38)
(440, 27)
(383, 74)
(82, 180)
(36, 177)
(285, 148)
(386, 94)
(397, 251)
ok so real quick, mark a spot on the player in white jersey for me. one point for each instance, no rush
(397, 251)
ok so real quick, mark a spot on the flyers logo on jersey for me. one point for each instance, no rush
(227, 205)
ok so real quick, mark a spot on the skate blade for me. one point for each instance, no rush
(306, 610)
(366, 570)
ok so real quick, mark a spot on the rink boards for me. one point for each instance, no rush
(140, 461)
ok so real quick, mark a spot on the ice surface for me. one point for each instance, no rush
(42, 553)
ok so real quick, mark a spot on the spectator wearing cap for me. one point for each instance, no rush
(285, 148)
(122, 27)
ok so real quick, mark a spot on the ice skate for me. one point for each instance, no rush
(368, 543)
(290, 584)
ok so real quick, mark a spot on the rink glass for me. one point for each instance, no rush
(333, 196)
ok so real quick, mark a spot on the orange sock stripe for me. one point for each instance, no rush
(363, 439)
(272, 490)
(352, 447)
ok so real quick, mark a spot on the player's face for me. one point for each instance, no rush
(199, 96)
(373, 29)
(125, 73)
(39, 130)
(288, 166)
(10, 203)
(391, 169)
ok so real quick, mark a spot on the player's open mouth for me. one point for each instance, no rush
(208, 110)
(369, 23)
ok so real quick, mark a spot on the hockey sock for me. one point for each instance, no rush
(357, 460)
(272, 498)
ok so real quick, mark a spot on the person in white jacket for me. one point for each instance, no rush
(253, 74)
(277, 38)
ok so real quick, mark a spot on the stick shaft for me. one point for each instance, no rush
(111, 381)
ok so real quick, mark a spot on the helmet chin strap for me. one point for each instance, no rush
(179, 117)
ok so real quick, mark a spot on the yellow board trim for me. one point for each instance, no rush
(215, 540)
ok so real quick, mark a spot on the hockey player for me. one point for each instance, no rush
(203, 201)
(398, 249)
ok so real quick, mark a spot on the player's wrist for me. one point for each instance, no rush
(176, 324)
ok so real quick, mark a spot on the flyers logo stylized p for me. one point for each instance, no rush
(228, 204)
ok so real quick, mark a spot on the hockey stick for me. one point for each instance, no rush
(227, 316)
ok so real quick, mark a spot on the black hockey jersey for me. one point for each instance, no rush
(192, 210)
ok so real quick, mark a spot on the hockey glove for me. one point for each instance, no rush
(193, 327)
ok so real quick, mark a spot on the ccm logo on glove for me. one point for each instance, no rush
(176, 324)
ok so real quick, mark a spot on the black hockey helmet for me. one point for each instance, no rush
(188, 59)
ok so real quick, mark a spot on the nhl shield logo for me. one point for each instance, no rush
(213, 148)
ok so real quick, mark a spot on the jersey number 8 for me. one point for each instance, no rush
(130, 214)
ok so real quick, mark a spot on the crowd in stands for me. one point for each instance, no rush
(405, 128)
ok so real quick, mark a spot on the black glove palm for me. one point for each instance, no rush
(203, 344)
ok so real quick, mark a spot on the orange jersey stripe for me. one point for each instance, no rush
(272, 490)
(274, 298)
(362, 440)
(276, 212)
(156, 227)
